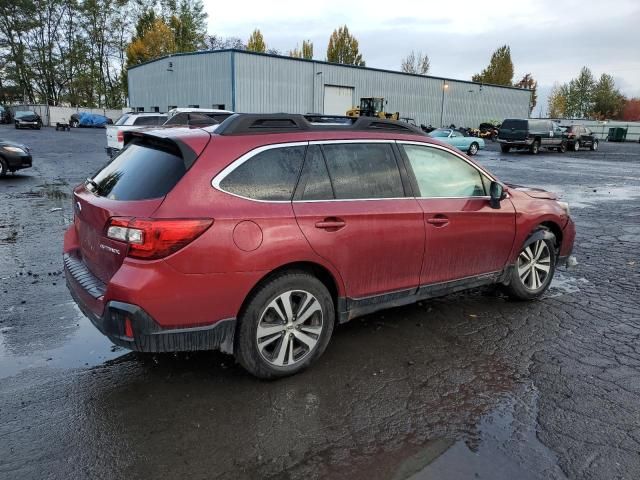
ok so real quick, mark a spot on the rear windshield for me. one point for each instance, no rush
(141, 171)
(515, 124)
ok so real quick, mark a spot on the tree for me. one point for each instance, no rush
(607, 99)
(214, 42)
(188, 20)
(157, 42)
(306, 52)
(500, 68)
(529, 83)
(256, 42)
(418, 64)
(631, 110)
(580, 95)
(343, 48)
(557, 103)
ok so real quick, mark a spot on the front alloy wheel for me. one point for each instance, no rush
(534, 265)
(576, 146)
(289, 328)
(473, 148)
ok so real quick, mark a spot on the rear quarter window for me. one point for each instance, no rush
(142, 170)
(270, 175)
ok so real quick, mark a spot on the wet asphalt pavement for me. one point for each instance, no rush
(466, 386)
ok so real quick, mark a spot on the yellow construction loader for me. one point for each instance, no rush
(372, 107)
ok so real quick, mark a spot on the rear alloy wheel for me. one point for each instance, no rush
(286, 326)
(576, 146)
(3, 167)
(473, 148)
(562, 148)
(535, 147)
(594, 145)
(74, 123)
(533, 271)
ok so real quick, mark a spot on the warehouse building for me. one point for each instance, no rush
(260, 83)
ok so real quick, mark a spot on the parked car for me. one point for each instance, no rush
(531, 135)
(27, 119)
(458, 139)
(4, 115)
(258, 237)
(130, 121)
(199, 116)
(578, 136)
(89, 120)
(13, 157)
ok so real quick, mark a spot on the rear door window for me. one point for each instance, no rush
(315, 183)
(269, 175)
(143, 170)
(363, 170)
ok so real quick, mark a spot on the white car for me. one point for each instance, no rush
(127, 122)
(182, 116)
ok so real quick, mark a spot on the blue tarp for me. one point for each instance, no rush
(92, 120)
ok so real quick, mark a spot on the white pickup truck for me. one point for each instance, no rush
(127, 122)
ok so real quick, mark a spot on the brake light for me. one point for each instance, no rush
(151, 239)
(120, 136)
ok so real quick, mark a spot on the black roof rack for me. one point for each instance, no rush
(257, 123)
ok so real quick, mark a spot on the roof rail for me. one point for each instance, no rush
(257, 123)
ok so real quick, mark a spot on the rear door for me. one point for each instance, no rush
(465, 237)
(352, 208)
(513, 130)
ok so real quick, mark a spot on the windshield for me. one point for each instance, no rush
(23, 114)
(440, 133)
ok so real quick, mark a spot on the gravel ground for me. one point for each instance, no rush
(462, 386)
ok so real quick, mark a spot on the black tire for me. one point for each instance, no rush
(563, 147)
(256, 310)
(576, 146)
(505, 148)
(535, 147)
(594, 145)
(526, 289)
(3, 167)
(74, 124)
(473, 148)
(17, 127)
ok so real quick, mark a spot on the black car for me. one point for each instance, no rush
(13, 156)
(27, 119)
(578, 136)
(531, 135)
(4, 115)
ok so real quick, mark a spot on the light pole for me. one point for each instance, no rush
(445, 85)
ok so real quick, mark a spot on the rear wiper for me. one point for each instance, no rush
(94, 185)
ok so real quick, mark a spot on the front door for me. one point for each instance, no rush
(351, 207)
(465, 237)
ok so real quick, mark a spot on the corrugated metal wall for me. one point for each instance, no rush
(268, 84)
(197, 79)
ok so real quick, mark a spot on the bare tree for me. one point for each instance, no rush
(416, 63)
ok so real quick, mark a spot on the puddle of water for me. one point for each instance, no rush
(508, 448)
(580, 196)
(84, 347)
(562, 284)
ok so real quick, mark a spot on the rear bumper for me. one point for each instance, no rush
(516, 143)
(147, 336)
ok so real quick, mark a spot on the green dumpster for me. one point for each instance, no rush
(617, 134)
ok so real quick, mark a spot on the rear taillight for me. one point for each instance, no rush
(120, 136)
(150, 239)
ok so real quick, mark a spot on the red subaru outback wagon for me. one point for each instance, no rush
(258, 236)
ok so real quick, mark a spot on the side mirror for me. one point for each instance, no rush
(496, 192)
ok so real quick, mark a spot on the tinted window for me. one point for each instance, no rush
(363, 170)
(314, 182)
(442, 174)
(122, 120)
(139, 172)
(269, 175)
(515, 124)
(149, 120)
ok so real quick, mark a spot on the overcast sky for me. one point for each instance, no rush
(552, 39)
